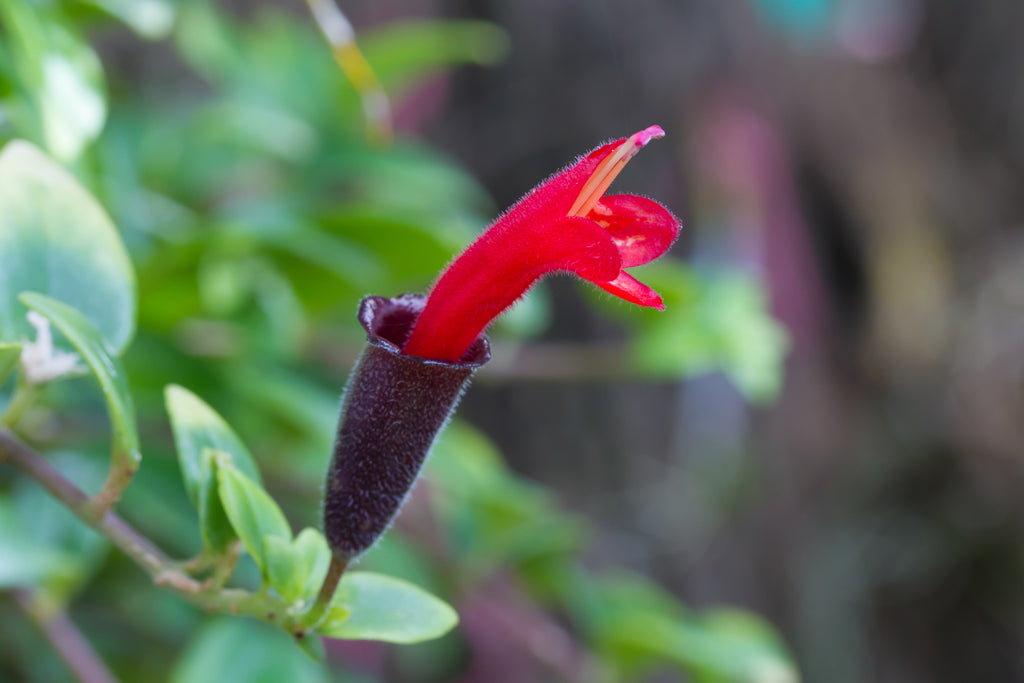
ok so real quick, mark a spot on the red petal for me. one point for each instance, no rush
(495, 271)
(553, 198)
(599, 153)
(538, 235)
(627, 287)
(642, 229)
(584, 249)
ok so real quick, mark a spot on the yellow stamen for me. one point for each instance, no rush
(610, 167)
(340, 34)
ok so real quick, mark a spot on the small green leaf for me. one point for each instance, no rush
(313, 645)
(9, 355)
(336, 614)
(295, 569)
(251, 510)
(387, 609)
(198, 432)
(104, 364)
(214, 527)
(283, 569)
(196, 427)
(311, 546)
(57, 240)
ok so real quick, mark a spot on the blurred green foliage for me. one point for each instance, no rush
(256, 215)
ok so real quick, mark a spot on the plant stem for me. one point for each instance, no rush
(224, 565)
(315, 614)
(24, 396)
(122, 471)
(163, 571)
(115, 529)
(122, 468)
(66, 639)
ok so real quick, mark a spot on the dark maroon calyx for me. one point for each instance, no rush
(394, 407)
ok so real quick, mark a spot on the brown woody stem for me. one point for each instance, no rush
(163, 571)
(66, 639)
(122, 471)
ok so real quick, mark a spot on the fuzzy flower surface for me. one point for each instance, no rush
(565, 224)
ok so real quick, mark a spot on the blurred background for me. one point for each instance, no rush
(807, 468)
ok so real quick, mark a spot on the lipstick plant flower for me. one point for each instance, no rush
(566, 223)
(422, 351)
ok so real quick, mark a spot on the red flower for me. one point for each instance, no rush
(564, 224)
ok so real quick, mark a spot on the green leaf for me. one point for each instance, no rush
(152, 19)
(56, 239)
(400, 556)
(9, 355)
(283, 569)
(197, 426)
(296, 568)
(215, 528)
(104, 365)
(252, 512)
(387, 609)
(60, 74)
(199, 432)
(243, 651)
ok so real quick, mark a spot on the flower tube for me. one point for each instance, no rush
(564, 224)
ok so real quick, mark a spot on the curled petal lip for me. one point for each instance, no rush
(641, 228)
(627, 287)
